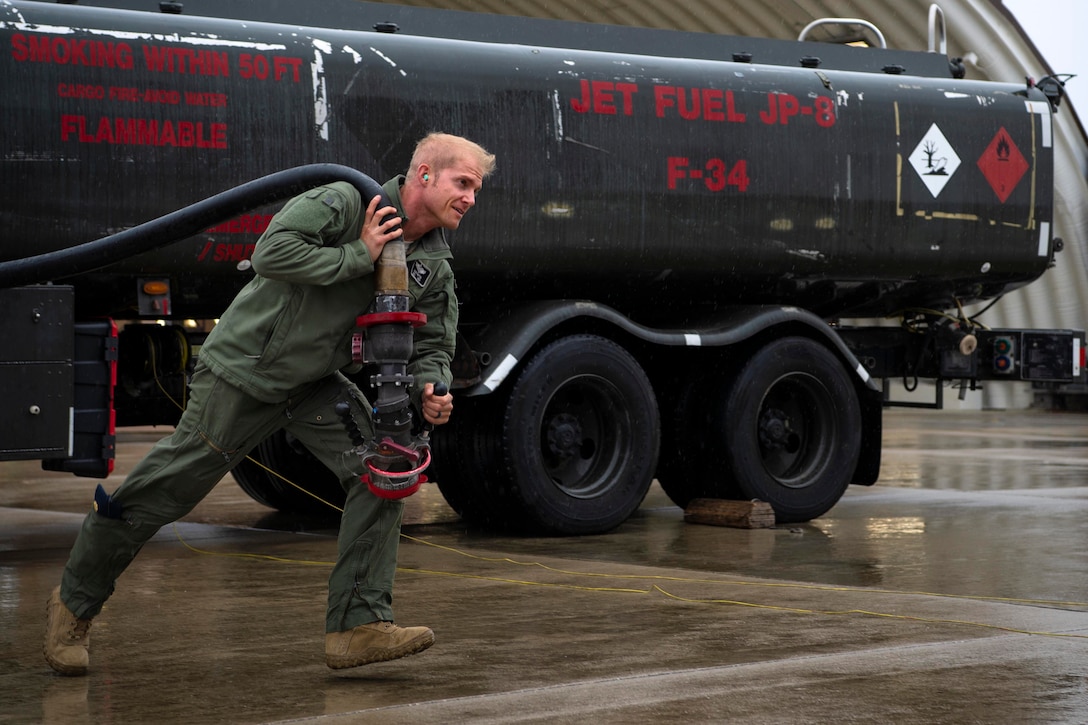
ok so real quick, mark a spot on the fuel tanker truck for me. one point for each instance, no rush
(683, 269)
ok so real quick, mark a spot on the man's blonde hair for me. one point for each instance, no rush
(443, 150)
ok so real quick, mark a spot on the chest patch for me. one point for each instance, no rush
(419, 272)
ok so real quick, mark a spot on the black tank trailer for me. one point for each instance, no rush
(650, 281)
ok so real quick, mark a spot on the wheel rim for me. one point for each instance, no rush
(795, 428)
(582, 434)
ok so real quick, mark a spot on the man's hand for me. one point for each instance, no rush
(436, 408)
(375, 232)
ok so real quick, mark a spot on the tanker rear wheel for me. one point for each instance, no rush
(579, 438)
(295, 463)
(790, 429)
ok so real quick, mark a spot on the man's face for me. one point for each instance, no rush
(452, 192)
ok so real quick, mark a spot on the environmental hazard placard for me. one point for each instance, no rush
(935, 160)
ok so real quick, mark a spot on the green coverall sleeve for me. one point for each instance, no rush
(435, 342)
(303, 245)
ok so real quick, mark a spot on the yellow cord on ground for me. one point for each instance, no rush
(884, 615)
(690, 600)
(783, 585)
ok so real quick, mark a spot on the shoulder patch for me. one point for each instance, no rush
(332, 200)
(419, 272)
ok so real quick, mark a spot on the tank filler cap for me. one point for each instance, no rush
(170, 7)
(743, 57)
(1053, 87)
(894, 69)
(810, 61)
(387, 27)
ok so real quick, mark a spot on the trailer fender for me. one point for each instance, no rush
(505, 342)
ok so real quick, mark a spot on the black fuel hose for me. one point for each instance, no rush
(183, 223)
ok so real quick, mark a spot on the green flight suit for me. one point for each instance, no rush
(273, 362)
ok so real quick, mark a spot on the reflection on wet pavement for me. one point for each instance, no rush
(953, 591)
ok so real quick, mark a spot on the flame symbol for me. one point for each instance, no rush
(1002, 150)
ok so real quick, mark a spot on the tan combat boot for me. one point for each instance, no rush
(374, 642)
(67, 638)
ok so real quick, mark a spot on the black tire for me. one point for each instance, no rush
(579, 438)
(689, 465)
(253, 479)
(461, 467)
(791, 429)
(292, 461)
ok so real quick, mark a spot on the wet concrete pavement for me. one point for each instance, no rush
(954, 591)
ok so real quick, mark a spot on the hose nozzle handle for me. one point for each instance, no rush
(343, 410)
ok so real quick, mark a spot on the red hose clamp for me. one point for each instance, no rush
(402, 483)
(393, 494)
(415, 319)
